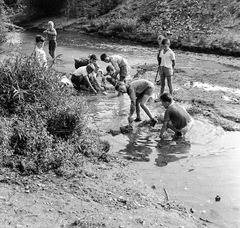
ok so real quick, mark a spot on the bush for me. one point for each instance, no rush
(23, 81)
(68, 118)
(46, 127)
(123, 25)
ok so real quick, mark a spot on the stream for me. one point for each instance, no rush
(192, 171)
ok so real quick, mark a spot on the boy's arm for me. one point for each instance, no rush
(164, 128)
(90, 85)
(117, 69)
(96, 81)
(159, 58)
(173, 64)
(51, 32)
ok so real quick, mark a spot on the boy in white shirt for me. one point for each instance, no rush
(167, 64)
(39, 53)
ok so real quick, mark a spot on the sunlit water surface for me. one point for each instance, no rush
(192, 171)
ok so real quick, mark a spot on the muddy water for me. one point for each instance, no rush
(193, 171)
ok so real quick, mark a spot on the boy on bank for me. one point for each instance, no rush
(139, 91)
(175, 117)
(52, 38)
(167, 64)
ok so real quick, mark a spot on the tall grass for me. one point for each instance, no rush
(123, 25)
(43, 126)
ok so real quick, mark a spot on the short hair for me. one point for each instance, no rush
(160, 37)
(118, 84)
(166, 97)
(109, 68)
(103, 56)
(39, 38)
(50, 22)
(165, 41)
(93, 57)
(89, 68)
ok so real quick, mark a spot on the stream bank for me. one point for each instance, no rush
(206, 87)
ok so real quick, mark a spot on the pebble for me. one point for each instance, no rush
(217, 198)
(192, 210)
(154, 187)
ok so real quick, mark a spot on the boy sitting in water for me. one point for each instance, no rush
(139, 91)
(175, 117)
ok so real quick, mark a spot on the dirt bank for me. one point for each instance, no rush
(104, 195)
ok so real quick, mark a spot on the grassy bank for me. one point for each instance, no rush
(43, 128)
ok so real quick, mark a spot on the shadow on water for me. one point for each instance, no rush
(171, 151)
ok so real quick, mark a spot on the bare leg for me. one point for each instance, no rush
(143, 101)
(138, 107)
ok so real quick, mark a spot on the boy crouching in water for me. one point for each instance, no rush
(175, 117)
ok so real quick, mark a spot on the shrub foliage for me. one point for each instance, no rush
(43, 126)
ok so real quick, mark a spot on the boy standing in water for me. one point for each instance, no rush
(139, 91)
(175, 117)
(167, 64)
(52, 38)
(39, 53)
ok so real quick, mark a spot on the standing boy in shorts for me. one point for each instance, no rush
(139, 92)
(175, 117)
(52, 38)
(167, 64)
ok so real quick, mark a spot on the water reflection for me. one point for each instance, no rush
(140, 144)
(171, 151)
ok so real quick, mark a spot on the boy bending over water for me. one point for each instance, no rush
(176, 117)
(139, 92)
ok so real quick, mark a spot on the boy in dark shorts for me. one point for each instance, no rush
(139, 92)
(175, 117)
(167, 64)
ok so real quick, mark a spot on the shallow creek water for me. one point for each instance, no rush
(193, 171)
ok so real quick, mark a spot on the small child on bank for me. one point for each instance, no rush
(52, 38)
(39, 53)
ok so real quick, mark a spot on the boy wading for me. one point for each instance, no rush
(139, 91)
(175, 117)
